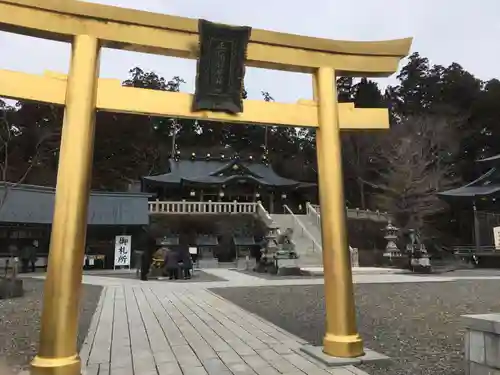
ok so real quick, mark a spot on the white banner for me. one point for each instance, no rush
(496, 236)
(123, 245)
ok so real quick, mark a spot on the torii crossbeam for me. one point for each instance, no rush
(89, 27)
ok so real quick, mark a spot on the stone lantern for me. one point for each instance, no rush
(391, 235)
(268, 250)
(419, 257)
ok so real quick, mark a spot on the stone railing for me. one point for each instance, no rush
(264, 216)
(183, 207)
(315, 218)
(356, 213)
(297, 223)
(312, 211)
(482, 344)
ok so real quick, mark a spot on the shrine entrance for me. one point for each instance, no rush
(89, 27)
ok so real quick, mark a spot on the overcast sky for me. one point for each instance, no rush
(445, 31)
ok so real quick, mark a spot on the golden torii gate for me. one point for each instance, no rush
(89, 27)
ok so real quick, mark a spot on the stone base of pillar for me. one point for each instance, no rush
(317, 353)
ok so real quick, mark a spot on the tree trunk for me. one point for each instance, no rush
(362, 194)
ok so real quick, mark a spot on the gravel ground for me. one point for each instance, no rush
(197, 276)
(417, 325)
(475, 272)
(20, 322)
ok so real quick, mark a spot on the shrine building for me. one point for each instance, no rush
(220, 178)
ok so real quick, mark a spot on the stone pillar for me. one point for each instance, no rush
(482, 344)
(354, 256)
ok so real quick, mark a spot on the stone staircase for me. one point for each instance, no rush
(306, 237)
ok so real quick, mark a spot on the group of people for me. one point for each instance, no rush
(176, 263)
(27, 255)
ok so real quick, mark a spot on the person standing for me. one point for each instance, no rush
(172, 264)
(26, 255)
(144, 267)
(33, 256)
(187, 264)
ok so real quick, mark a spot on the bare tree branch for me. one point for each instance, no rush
(417, 156)
(9, 133)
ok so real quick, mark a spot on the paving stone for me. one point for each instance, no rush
(89, 370)
(282, 349)
(170, 368)
(241, 369)
(186, 356)
(164, 357)
(268, 370)
(143, 366)
(194, 370)
(214, 366)
(348, 370)
(277, 361)
(122, 371)
(202, 327)
(89, 339)
(121, 362)
(255, 361)
(101, 350)
(301, 363)
(242, 349)
(354, 370)
(230, 356)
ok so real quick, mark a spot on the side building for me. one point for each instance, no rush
(26, 213)
(478, 202)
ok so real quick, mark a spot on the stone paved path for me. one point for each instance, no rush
(162, 328)
(153, 330)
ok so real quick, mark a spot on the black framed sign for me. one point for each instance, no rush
(221, 67)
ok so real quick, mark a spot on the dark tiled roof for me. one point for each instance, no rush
(491, 159)
(206, 240)
(244, 241)
(32, 204)
(210, 172)
(487, 184)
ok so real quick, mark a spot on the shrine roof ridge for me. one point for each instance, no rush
(220, 157)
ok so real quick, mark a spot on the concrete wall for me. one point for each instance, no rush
(482, 344)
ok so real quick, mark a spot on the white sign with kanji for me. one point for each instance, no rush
(496, 236)
(123, 246)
